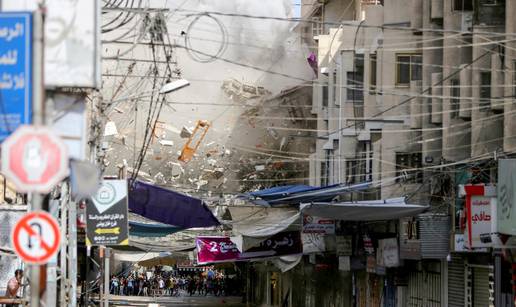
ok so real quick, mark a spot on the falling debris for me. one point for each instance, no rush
(241, 92)
(166, 142)
(185, 133)
(177, 169)
(110, 129)
(273, 133)
(194, 141)
(283, 143)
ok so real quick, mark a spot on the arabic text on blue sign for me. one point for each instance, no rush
(15, 71)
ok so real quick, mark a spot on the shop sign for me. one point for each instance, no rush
(313, 243)
(344, 245)
(506, 207)
(460, 247)
(222, 249)
(388, 253)
(314, 224)
(480, 219)
(106, 215)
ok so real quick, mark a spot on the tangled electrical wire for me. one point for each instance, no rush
(201, 56)
(124, 17)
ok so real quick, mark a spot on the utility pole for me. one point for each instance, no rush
(107, 254)
(36, 200)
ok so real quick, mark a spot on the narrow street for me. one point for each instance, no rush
(258, 153)
(183, 300)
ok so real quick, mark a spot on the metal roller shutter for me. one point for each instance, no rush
(481, 287)
(424, 289)
(456, 281)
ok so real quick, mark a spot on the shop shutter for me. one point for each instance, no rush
(456, 278)
(424, 289)
(481, 287)
(434, 233)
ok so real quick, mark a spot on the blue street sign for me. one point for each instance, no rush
(15, 71)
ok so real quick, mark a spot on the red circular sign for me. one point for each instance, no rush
(34, 159)
(36, 237)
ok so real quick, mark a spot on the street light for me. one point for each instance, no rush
(174, 86)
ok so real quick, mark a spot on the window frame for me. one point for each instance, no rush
(325, 95)
(416, 176)
(373, 82)
(514, 79)
(455, 98)
(485, 100)
(398, 64)
(455, 8)
(334, 77)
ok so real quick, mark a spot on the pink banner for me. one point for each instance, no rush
(216, 249)
(221, 249)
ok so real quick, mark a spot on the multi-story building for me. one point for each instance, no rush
(417, 96)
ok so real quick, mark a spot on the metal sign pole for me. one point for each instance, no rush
(107, 255)
(36, 201)
(38, 118)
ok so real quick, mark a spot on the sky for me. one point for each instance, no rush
(297, 8)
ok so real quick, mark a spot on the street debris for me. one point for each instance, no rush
(194, 141)
(110, 129)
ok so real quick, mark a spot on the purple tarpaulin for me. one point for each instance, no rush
(169, 207)
(312, 61)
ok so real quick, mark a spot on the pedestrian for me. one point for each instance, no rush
(130, 286)
(13, 286)
(146, 285)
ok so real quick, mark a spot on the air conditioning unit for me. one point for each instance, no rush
(467, 22)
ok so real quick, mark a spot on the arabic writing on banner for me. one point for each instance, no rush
(314, 224)
(221, 249)
(480, 220)
(15, 71)
(106, 215)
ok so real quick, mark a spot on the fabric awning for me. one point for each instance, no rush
(139, 229)
(169, 207)
(296, 194)
(135, 257)
(389, 209)
(253, 225)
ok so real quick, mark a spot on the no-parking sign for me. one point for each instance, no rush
(36, 237)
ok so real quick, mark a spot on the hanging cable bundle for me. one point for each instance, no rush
(201, 56)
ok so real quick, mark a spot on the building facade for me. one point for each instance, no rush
(416, 97)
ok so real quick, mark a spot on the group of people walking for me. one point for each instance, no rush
(164, 284)
(140, 285)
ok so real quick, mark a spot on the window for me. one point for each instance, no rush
(351, 171)
(490, 2)
(355, 81)
(408, 68)
(514, 80)
(455, 98)
(462, 5)
(325, 95)
(335, 88)
(485, 90)
(372, 74)
(325, 169)
(409, 164)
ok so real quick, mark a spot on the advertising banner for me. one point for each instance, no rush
(221, 249)
(314, 224)
(15, 71)
(388, 249)
(480, 218)
(106, 215)
(506, 211)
